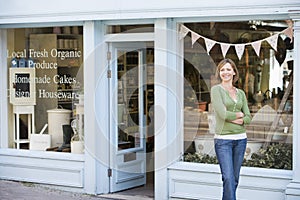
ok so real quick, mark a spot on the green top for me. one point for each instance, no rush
(225, 108)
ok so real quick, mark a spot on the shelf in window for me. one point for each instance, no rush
(203, 92)
(133, 111)
(68, 49)
(67, 36)
(132, 65)
(65, 101)
(131, 87)
(22, 141)
(133, 95)
(67, 90)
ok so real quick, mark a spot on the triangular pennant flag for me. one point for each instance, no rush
(183, 31)
(272, 40)
(239, 48)
(289, 32)
(195, 37)
(224, 48)
(256, 46)
(209, 44)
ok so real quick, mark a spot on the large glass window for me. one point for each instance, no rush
(46, 88)
(263, 53)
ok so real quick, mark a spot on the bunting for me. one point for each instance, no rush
(195, 37)
(239, 48)
(289, 33)
(183, 32)
(256, 46)
(272, 40)
(224, 48)
(209, 44)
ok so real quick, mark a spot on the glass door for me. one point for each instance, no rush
(127, 135)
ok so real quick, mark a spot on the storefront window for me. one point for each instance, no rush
(46, 88)
(263, 53)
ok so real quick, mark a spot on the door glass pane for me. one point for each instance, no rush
(128, 100)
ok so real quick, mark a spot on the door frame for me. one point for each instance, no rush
(122, 171)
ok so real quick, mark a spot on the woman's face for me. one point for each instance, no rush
(227, 73)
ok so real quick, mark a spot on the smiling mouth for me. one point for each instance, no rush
(226, 76)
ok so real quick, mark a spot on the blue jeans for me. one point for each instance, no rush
(230, 154)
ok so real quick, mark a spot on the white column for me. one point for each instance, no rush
(5, 118)
(96, 113)
(293, 189)
(95, 107)
(89, 114)
(161, 102)
(101, 110)
(166, 103)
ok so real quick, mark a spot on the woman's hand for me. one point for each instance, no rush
(239, 115)
(239, 118)
(238, 121)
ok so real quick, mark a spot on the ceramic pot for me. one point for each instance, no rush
(77, 147)
(56, 118)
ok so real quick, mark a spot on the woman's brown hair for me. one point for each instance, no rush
(222, 63)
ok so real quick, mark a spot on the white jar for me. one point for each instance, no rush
(56, 118)
(77, 147)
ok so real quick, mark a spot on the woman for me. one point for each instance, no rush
(232, 113)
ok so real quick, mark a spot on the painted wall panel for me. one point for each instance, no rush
(14, 7)
(42, 169)
(33, 11)
(194, 181)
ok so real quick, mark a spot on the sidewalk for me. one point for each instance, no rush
(12, 190)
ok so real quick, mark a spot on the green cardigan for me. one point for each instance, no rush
(225, 109)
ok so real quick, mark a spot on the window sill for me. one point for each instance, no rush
(249, 171)
(42, 154)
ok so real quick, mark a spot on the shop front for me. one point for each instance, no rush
(47, 114)
(103, 100)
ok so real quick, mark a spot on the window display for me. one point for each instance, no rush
(263, 52)
(46, 83)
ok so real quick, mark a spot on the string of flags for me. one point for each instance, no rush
(239, 48)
